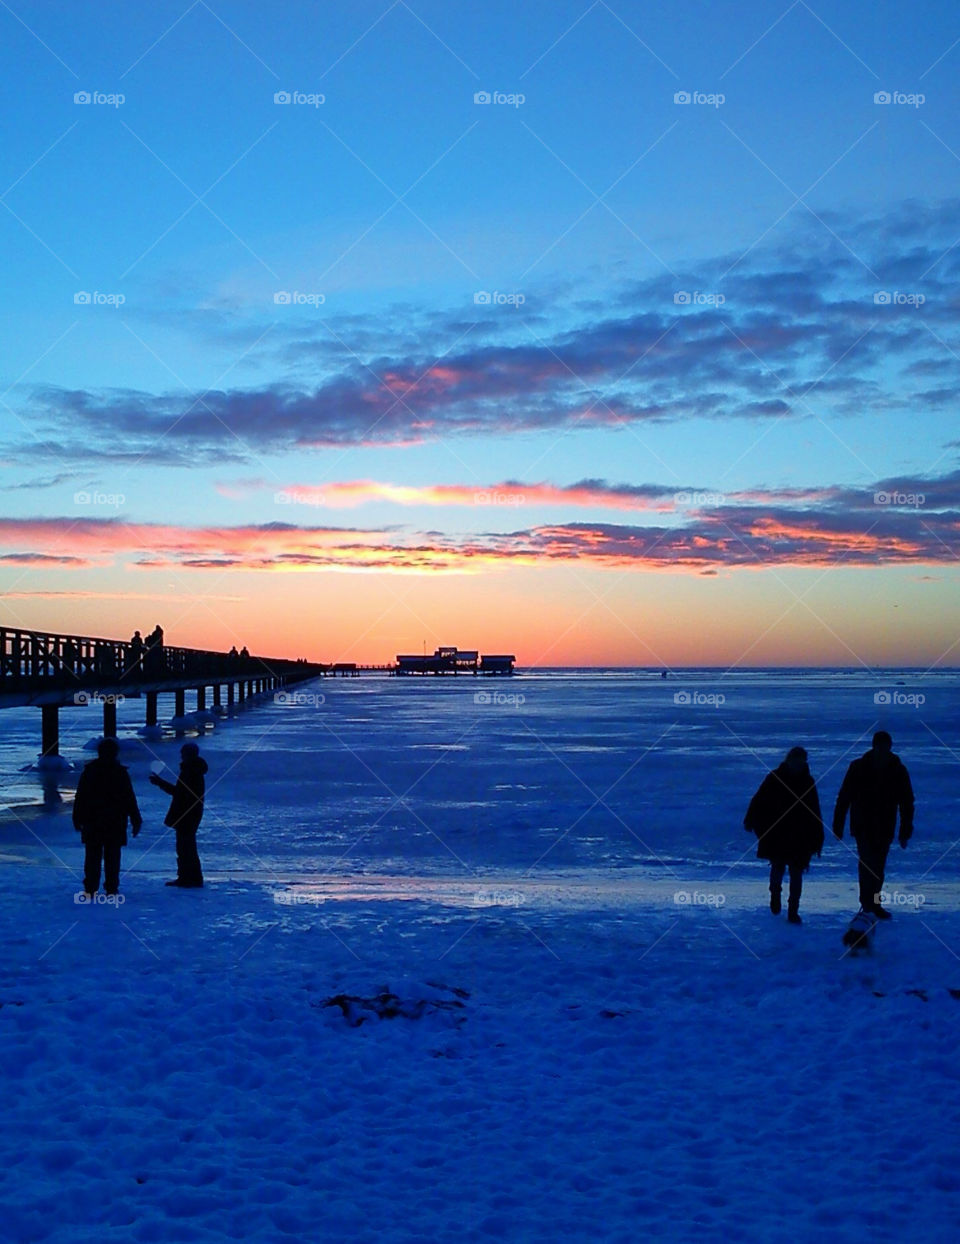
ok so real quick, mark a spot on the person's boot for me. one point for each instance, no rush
(881, 912)
(793, 915)
(775, 902)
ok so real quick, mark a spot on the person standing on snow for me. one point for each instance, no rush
(876, 787)
(785, 816)
(103, 804)
(185, 814)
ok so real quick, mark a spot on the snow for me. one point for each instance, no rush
(614, 1040)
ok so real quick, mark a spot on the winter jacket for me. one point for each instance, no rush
(104, 802)
(186, 806)
(874, 795)
(785, 816)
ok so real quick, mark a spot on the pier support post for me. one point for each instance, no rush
(109, 718)
(50, 730)
(216, 695)
(201, 698)
(230, 695)
(241, 691)
(151, 708)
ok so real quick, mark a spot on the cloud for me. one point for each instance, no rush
(803, 323)
(345, 494)
(905, 521)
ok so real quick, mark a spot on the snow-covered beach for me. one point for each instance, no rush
(601, 1031)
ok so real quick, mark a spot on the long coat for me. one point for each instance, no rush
(104, 803)
(186, 806)
(875, 794)
(785, 816)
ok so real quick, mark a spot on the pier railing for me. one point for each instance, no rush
(37, 660)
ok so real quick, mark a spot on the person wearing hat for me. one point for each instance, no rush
(185, 813)
(785, 816)
(103, 805)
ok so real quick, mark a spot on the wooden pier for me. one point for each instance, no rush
(454, 661)
(52, 671)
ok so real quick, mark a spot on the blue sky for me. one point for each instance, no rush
(746, 300)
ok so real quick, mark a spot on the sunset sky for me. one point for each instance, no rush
(599, 333)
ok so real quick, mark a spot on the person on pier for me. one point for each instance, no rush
(103, 805)
(185, 814)
(135, 665)
(153, 657)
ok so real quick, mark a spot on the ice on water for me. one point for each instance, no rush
(638, 1047)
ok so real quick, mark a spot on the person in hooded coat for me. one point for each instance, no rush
(185, 814)
(103, 805)
(875, 789)
(785, 816)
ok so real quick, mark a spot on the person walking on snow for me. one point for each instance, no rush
(185, 814)
(103, 804)
(876, 787)
(785, 816)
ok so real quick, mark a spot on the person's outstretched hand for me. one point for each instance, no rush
(154, 780)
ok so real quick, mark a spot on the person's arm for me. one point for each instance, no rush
(133, 809)
(905, 801)
(755, 820)
(157, 780)
(814, 803)
(841, 806)
(80, 803)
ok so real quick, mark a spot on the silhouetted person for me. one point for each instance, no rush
(785, 816)
(136, 654)
(185, 813)
(233, 656)
(244, 653)
(153, 663)
(876, 787)
(104, 803)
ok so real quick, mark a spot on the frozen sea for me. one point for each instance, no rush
(597, 1029)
